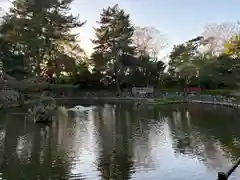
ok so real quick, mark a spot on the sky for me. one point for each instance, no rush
(179, 20)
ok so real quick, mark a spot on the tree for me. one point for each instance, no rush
(113, 40)
(197, 67)
(34, 36)
(218, 34)
(11, 55)
(232, 47)
(184, 60)
(149, 40)
(227, 71)
(39, 30)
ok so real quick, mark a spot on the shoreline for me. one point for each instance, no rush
(150, 101)
(227, 104)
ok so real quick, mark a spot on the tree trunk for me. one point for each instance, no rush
(116, 67)
(38, 61)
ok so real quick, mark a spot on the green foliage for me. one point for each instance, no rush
(113, 41)
(172, 90)
(36, 40)
(147, 72)
(204, 69)
(222, 92)
(232, 47)
(185, 60)
(39, 31)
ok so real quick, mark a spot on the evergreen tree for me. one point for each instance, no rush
(113, 40)
(40, 31)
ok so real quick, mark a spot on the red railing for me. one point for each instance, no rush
(192, 89)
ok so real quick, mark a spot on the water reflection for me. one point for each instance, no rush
(207, 136)
(121, 141)
(27, 153)
(115, 141)
(189, 141)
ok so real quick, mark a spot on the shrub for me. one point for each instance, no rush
(168, 90)
(222, 92)
(9, 97)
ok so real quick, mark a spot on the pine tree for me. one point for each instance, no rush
(113, 40)
(40, 30)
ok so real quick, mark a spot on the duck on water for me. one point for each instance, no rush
(82, 109)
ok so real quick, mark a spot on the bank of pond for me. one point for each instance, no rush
(43, 110)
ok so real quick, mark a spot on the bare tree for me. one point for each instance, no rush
(149, 40)
(216, 35)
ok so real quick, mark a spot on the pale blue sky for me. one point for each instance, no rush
(180, 20)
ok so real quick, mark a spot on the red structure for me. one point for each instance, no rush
(192, 89)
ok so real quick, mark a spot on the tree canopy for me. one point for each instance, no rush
(37, 40)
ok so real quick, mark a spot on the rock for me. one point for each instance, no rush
(43, 117)
(43, 112)
(9, 97)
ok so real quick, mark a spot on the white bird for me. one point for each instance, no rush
(81, 108)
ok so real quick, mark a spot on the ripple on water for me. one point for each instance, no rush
(121, 142)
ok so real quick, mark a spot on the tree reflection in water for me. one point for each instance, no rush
(210, 135)
(115, 138)
(121, 141)
(29, 154)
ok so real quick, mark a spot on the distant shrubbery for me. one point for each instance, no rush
(222, 92)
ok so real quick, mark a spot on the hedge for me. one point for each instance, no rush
(223, 92)
(168, 89)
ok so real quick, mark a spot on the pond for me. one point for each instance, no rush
(122, 141)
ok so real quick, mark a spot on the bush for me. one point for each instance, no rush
(9, 97)
(65, 80)
(168, 89)
(222, 92)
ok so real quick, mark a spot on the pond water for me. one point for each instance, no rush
(122, 141)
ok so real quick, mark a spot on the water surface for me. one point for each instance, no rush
(122, 141)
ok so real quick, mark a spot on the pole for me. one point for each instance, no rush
(233, 168)
(224, 176)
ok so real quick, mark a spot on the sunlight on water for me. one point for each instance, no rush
(85, 146)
